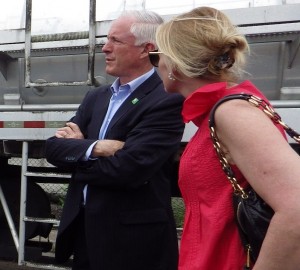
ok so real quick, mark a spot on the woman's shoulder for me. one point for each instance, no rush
(246, 87)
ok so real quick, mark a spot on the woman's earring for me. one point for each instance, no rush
(170, 76)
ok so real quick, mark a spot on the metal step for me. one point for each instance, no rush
(42, 220)
(44, 266)
(43, 174)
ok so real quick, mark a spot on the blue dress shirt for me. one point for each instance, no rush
(119, 94)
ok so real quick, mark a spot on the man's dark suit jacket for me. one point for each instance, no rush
(129, 221)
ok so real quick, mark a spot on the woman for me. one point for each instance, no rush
(201, 56)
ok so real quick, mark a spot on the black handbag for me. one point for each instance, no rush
(252, 214)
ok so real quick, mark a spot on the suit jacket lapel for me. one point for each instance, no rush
(100, 109)
(138, 94)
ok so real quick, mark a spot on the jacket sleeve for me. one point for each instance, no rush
(69, 153)
(149, 146)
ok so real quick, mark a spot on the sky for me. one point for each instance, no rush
(72, 15)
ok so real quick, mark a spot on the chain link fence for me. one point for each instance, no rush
(178, 210)
(56, 192)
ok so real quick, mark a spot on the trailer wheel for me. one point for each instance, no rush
(37, 205)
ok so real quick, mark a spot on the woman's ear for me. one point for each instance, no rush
(176, 73)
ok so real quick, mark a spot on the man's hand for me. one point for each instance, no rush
(70, 131)
(106, 148)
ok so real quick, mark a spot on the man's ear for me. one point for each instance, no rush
(148, 47)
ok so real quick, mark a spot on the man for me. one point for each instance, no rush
(120, 146)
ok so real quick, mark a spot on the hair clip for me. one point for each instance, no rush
(224, 61)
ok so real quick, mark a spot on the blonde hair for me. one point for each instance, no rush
(203, 43)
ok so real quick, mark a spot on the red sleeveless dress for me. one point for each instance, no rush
(210, 239)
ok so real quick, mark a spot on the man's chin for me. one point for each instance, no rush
(110, 71)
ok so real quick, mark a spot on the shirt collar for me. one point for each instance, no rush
(132, 85)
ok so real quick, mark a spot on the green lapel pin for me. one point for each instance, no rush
(135, 100)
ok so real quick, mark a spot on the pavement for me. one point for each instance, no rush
(12, 265)
(47, 259)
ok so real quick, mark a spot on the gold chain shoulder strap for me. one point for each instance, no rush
(268, 110)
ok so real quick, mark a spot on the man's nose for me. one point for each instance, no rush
(106, 47)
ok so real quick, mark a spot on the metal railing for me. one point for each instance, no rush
(91, 50)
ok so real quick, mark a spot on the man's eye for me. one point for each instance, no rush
(114, 40)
